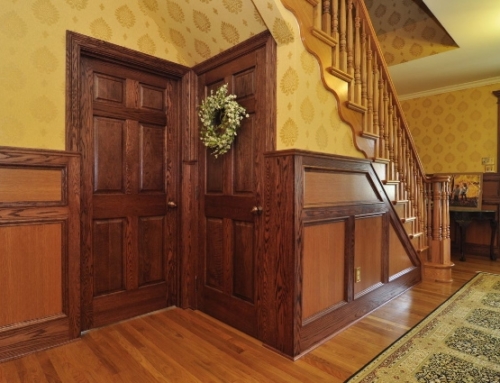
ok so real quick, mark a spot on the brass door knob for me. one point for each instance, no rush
(171, 204)
(256, 210)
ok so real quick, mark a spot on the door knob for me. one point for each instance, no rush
(171, 204)
(256, 210)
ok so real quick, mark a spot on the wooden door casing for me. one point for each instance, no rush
(230, 227)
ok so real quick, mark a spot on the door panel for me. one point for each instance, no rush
(244, 172)
(151, 158)
(243, 263)
(231, 230)
(124, 155)
(108, 248)
(108, 149)
(151, 249)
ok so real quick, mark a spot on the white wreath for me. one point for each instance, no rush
(220, 116)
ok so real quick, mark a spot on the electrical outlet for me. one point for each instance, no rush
(358, 274)
(489, 168)
(487, 161)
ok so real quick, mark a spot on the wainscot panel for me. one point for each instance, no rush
(40, 250)
(334, 249)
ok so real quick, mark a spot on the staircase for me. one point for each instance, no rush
(340, 35)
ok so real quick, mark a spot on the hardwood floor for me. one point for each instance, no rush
(187, 346)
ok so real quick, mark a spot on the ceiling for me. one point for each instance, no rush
(437, 46)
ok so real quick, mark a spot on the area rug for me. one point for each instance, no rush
(458, 342)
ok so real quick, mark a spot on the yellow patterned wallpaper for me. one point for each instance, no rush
(407, 30)
(32, 68)
(32, 49)
(307, 115)
(454, 131)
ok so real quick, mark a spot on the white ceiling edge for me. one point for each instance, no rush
(452, 88)
(475, 27)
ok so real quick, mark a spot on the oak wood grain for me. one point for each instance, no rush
(176, 345)
(39, 252)
(305, 299)
(30, 185)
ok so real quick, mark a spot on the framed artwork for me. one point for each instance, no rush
(466, 191)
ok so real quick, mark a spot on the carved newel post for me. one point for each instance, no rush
(437, 266)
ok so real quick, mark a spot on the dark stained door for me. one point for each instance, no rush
(128, 222)
(232, 185)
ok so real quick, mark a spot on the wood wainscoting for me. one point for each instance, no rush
(39, 250)
(334, 248)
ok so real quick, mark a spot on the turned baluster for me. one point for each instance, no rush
(421, 205)
(364, 90)
(376, 100)
(350, 48)
(381, 115)
(396, 143)
(430, 198)
(387, 120)
(400, 163)
(446, 210)
(409, 185)
(357, 60)
(425, 203)
(343, 37)
(335, 32)
(317, 17)
(437, 232)
(326, 17)
(407, 168)
(390, 134)
(402, 170)
(414, 185)
(369, 86)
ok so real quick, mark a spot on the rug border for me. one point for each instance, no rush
(470, 281)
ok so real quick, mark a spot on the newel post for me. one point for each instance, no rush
(437, 266)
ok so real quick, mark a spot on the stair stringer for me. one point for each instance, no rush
(400, 243)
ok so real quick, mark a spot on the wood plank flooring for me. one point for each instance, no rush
(187, 346)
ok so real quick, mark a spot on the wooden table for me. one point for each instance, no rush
(463, 218)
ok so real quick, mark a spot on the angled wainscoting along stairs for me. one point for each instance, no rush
(334, 250)
(340, 35)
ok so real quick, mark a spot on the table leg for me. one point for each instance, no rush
(462, 241)
(493, 224)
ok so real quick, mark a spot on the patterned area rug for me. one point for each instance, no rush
(458, 342)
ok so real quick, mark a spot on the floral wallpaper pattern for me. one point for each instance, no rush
(407, 31)
(454, 131)
(32, 69)
(32, 47)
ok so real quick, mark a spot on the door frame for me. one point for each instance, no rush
(78, 46)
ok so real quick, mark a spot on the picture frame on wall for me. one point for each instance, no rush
(466, 191)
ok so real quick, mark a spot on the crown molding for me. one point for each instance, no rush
(452, 88)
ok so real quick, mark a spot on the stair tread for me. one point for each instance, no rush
(400, 201)
(415, 235)
(382, 160)
(408, 219)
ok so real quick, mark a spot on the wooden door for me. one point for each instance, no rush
(232, 195)
(129, 202)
